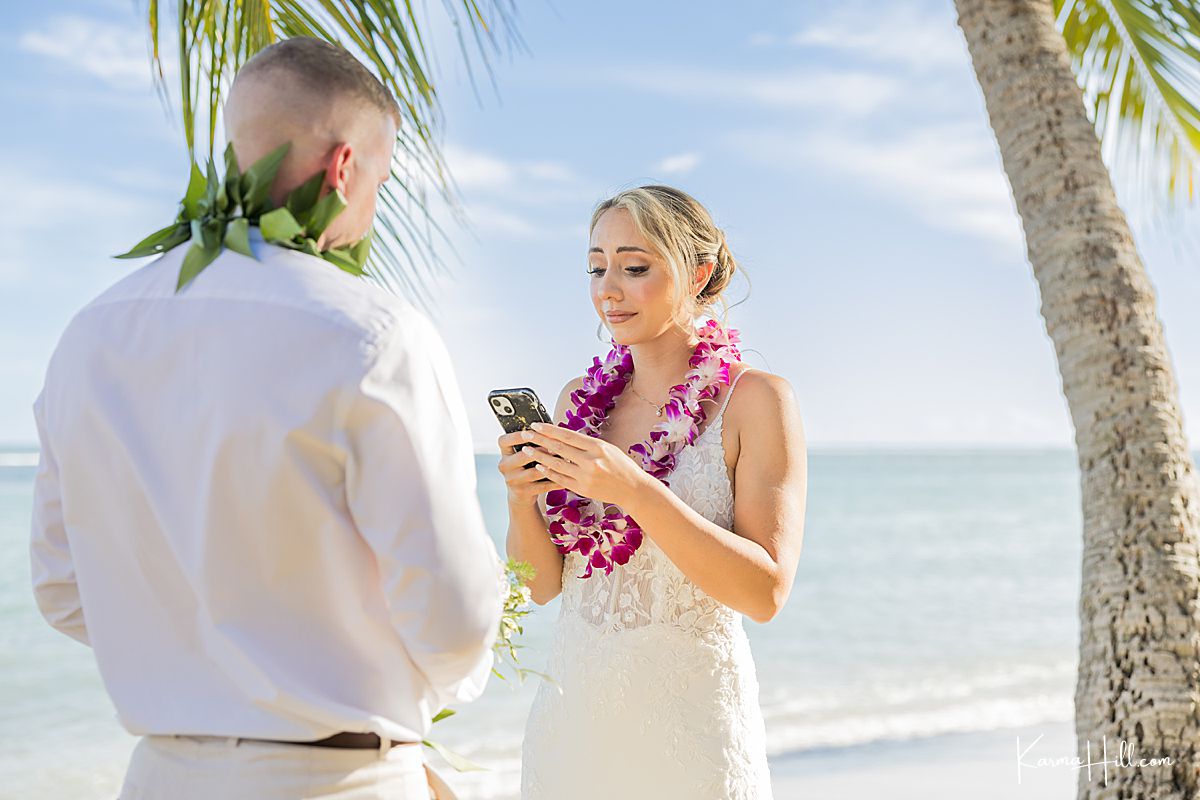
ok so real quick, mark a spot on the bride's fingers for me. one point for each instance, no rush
(514, 462)
(533, 484)
(554, 470)
(524, 477)
(538, 455)
(558, 463)
(562, 482)
(509, 441)
(547, 485)
(567, 437)
(553, 445)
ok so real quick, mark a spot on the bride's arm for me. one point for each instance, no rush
(528, 538)
(751, 570)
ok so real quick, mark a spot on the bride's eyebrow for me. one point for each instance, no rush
(622, 249)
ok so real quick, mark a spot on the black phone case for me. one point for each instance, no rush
(526, 409)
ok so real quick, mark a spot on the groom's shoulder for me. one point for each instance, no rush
(387, 329)
(320, 288)
(288, 280)
(141, 280)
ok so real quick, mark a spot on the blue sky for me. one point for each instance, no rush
(843, 148)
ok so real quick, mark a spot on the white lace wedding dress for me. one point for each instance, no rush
(659, 691)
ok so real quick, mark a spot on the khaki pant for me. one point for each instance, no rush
(205, 768)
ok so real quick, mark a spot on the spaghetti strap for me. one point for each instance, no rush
(729, 389)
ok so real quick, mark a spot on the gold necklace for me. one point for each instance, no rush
(658, 410)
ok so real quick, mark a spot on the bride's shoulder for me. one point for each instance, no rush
(564, 398)
(571, 385)
(759, 383)
(762, 400)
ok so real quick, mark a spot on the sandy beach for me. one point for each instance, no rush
(982, 766)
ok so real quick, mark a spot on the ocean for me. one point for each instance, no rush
(937, 594)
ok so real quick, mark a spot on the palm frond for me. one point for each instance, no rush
(1138, 62)
(217, 36)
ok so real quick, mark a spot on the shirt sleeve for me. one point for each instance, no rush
(54, 586)
(410, 484)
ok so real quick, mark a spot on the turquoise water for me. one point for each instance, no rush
(936, 593)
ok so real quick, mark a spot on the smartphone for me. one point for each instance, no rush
(517, 409)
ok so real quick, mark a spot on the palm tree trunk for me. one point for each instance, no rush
(1139, 648)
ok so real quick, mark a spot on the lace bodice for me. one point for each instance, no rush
(650, 589)
(655, 695)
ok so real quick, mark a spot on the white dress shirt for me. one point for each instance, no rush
(256, 503)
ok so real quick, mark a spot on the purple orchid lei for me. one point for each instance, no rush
(601, 531)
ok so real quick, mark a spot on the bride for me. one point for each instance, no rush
(664, 508)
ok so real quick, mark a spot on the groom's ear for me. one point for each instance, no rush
(337, 171)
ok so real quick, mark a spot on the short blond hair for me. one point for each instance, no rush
(323, 70)
(682, 231)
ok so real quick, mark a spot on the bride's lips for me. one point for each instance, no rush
(616, 317)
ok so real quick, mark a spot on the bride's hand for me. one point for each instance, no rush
(586, 465)
(524, 485)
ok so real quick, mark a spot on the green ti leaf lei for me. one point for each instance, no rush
(218, 213)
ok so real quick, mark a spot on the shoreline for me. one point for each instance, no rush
(982, 765)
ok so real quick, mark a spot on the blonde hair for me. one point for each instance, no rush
(682, 231)
(323, 70)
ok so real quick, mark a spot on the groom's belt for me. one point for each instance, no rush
(364, 741)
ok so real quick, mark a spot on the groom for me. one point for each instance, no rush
(256, 496)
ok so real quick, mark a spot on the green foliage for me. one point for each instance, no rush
(216, 213)
(517, 575)
(216, 37)
(515, 579)
(456, 760)
(1138, 62)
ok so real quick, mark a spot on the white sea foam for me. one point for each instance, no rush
(988, 698)
(796, 734)
(18, 459)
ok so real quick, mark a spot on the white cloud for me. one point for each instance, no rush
(888, 33)
(678, 164)
(114, 53)
(107, 217)
(949, 174)
(856, 92)
(552, 171)
(474, 169)
(762, 39)
(940, 165)
(512, 197)
(498, 220)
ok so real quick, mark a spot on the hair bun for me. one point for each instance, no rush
(723, 269)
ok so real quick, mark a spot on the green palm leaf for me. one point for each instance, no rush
(1137, 62)
(217, 36)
